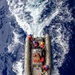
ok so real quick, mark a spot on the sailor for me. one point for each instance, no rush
(45, 67)
(35, 43)
(30, 37)
(42, 45)
(38, 58)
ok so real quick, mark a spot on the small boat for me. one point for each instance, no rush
(37, 55)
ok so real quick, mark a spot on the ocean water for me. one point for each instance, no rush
(18, 18)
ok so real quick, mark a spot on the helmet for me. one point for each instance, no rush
(42, 43)
(35, 43)
(30, 34)
(46, 67)
(30, 37)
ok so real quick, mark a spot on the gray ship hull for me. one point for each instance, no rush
(35, 68)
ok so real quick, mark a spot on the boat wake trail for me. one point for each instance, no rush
(28, 15)
(41, 17)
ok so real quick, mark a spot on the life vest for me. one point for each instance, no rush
(45, 67)
(42, 59)
(37, 58)
(35, 43)
(30, 37)
(42, 45)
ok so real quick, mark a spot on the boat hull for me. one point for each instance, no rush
(29, 66)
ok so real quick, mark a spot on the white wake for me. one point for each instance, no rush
(31, 25)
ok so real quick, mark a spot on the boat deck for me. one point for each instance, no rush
(36, 68)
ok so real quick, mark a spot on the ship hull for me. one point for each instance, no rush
(30, 67)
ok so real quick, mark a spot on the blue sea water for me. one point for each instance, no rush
(12, 36)
(68, 67)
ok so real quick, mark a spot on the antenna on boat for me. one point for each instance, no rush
(33, 34)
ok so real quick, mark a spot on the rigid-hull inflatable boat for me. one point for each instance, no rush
(37, 55)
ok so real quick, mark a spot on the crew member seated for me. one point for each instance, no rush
(35, 43)
(45, 68)
(42, 45)
(38, 58)
(30, 37)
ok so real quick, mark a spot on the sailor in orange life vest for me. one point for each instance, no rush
(35, 43)
(37, 58)
(45, 68)
(30, 37)
(42, 44)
